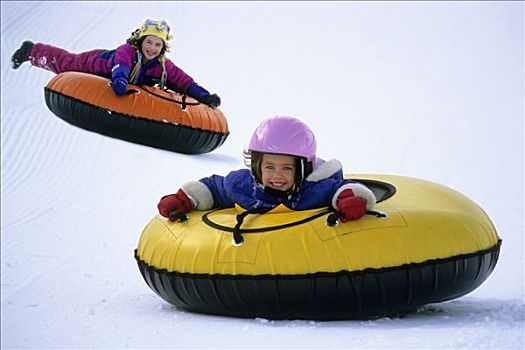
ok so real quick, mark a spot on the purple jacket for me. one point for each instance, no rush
(110, 64)
(320, 189)
(123, 59)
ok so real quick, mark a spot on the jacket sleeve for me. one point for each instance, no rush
(208, 192)
(122, 62)
(197, 92)
(177, 79)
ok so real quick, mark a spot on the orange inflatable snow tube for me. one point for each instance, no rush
(148, 115)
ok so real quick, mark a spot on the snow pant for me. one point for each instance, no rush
(58, 60)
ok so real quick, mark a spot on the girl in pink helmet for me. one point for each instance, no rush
(141, 60)
(283, 170)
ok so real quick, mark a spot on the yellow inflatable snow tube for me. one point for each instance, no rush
(428, 243)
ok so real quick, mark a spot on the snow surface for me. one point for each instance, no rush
(430, 90)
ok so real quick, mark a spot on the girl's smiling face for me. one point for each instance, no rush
(151, 47)
(278, 171)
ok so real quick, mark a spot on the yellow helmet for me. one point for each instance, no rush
(158, 28)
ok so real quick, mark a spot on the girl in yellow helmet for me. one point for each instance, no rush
(141, 60)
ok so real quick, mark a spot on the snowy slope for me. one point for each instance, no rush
(429, 90)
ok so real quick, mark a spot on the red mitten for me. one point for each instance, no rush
(350, 206)
(178, 202)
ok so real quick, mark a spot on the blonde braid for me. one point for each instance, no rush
(134, 75)
(163, 75)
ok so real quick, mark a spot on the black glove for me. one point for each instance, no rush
(211, 100)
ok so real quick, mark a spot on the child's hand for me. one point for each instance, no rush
(350, 206)
(211, 100)
(120, 86)
(178, 202)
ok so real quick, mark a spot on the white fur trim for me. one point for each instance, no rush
(199, 194)
(359, 190)
(325, 170)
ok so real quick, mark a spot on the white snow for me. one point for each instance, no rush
(432, 90)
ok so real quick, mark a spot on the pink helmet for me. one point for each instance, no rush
(284, 135)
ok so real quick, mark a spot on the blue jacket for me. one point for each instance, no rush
(239, 187)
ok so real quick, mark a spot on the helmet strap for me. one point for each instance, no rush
(302, 169)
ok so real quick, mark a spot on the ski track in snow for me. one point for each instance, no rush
(75, 202)
(32, 137)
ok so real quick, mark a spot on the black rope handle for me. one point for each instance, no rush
(129, 91)
(376, 214)
(184, 102)
(237, 233)
(183, 94)
(333, 219)
(178, 216)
